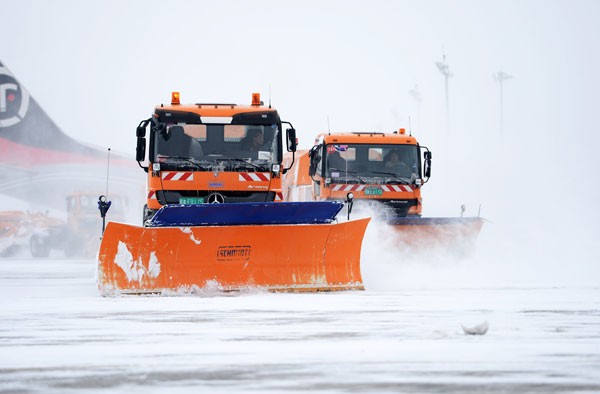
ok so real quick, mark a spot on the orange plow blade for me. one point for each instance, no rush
(458, 235)
(310, 257)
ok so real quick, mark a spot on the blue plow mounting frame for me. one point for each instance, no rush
(430, 221)
(239, 214)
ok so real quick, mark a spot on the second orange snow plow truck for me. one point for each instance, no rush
(383, 171)
(215, 215)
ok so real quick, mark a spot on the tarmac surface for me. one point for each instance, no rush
(58, 335)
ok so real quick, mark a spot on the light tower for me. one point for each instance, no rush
(416, 95)
(445, 70)
(500, 77)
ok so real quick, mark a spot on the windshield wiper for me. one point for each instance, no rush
(400, 178)
(241, 161)
(190, 160)
(348, 172)
(340, 169)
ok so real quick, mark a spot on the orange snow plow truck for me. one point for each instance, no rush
(381, 171)
(215, 215)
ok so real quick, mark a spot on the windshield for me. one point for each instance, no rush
(205, 146)
(363, 162)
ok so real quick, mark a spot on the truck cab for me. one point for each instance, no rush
(382, 170)
(213, 153)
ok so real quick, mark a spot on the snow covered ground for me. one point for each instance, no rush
(58, 335)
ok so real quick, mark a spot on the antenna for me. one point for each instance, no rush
(103, 203)
(409, 129)
(107, 169)
(328, 128)
(269, 95)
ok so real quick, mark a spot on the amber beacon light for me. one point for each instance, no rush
(175, 98)
(255, 98)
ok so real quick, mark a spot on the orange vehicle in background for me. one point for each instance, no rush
(78, 236)
(213, 153)
(81, 237)
(34, 231)
(381, 171)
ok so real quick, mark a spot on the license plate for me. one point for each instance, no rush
(373, 191)
(191, 200)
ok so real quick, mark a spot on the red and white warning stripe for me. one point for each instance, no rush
(348, 188)
(151, 195)
(177, 176)
(278, 196)
(254, 176)
(396, 188)
(385, 188)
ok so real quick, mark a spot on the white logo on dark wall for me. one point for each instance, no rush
(14, 100)
(5, 95)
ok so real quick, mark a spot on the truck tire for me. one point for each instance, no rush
(39, 247)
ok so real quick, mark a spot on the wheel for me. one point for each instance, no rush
(39, 247)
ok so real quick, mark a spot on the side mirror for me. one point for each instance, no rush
(427, 168)
(290, 137)
(140, 131)
(314, 160)
(140, 150)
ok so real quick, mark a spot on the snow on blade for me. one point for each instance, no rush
(188, 230)
(153, 266)
(124, 259)
(135, 270)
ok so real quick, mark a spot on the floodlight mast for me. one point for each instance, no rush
(416, 95)
(445, 70)
(500, 77)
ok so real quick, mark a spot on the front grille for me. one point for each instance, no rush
(231, 196)
(387, 207)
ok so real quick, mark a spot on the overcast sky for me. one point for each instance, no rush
(98, 68)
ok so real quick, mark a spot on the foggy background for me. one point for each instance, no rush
(99, 68)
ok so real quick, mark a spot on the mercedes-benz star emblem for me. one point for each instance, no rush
(216, 198)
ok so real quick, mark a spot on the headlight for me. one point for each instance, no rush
(275, 167)
(155, 166)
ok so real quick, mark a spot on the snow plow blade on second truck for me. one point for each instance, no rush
(271, 246)
(452, 234)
